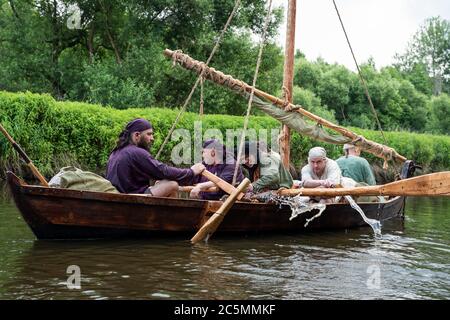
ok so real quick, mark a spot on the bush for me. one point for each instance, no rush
(55, 134)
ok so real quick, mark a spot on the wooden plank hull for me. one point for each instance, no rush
(70, 214)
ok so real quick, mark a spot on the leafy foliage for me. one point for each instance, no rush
(55, 134)
(115, 59)
(429, 49)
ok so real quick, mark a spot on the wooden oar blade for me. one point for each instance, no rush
(209, 227)
(216, 219)
(429, 185)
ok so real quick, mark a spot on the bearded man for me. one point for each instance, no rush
(131, 166)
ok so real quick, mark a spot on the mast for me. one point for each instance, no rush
(288, 78)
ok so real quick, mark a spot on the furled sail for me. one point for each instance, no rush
(291, 115)
(296, 122)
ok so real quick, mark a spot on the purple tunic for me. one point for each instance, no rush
(130, 169)
(223, 171)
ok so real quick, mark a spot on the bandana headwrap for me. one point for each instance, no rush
(138, 125)
(213, 144)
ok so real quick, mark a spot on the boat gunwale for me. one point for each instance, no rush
(36, 190)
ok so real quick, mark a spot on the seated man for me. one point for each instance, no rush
(355, 167)
(320, 171)
(131, 166)
(264, 168)
(218, 162)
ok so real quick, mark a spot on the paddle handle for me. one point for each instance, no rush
(25, 157)
(222, 184)
(189, 189)
(214, 221)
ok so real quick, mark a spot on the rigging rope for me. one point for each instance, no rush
(360, 75)
(252, 92)
(188, 99)
(200, 111)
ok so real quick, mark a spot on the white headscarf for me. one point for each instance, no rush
(317, 152)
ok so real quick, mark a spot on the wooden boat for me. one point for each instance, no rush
(55, 213)
(68, 214)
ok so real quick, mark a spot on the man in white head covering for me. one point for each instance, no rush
(320, 170)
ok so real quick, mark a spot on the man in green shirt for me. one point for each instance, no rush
(355, 167)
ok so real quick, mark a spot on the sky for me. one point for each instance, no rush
(376, 28)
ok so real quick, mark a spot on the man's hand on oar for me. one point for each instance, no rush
(222, 184)
(429, 185)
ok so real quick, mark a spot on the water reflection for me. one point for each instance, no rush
(412, 258)
(160, 269)
(288, 267)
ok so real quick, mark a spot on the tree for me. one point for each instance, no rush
(430, 47)
(334, 89)
(439, 122)
(34, 35)
(116, 56)
(312, 103)
(306, 74)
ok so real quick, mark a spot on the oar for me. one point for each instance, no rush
(24, 156)
(222, 184)
(215, 220)
(429, 185)
(189, 189)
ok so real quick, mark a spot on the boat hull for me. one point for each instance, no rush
(70, 214)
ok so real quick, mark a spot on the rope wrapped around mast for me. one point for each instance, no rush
(276, 109)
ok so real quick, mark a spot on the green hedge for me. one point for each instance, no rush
(55, 134)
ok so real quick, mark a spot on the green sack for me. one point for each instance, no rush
(77, 179)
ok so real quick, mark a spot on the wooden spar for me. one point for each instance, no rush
(213, 223)
(288, 79)
(429, 185)
(25, 157)
(226, 80)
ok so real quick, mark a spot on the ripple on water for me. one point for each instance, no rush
(412, 256)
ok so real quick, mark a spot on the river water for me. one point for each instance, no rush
(410, 261)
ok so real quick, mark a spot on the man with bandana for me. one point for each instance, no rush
(131, 166)
(219, 162)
